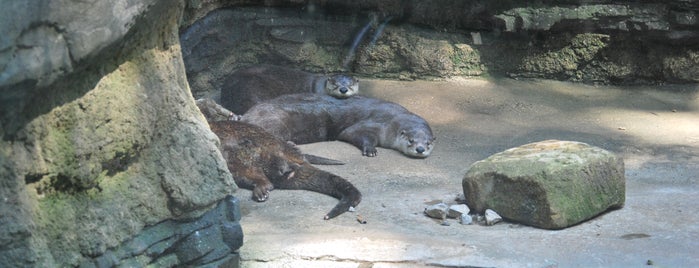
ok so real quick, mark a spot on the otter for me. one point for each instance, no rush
(212, 111)
(261, 162)
(362, 121)
(248, 86)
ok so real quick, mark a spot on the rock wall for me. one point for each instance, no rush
(100, 133)
(613, 42)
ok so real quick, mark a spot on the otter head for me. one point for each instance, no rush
(416, 142)
(341, 86)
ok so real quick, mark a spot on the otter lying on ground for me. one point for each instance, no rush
(250, 85)
(362, 121)
(261, 162)
(212, 111)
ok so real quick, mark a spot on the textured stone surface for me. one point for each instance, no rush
(437, 211)
(100, 133)
(208, 239)
(227, 39)
(550, 184)
(47, 39)
(455, 211)
(594, 42)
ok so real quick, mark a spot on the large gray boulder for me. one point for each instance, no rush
(550, 184)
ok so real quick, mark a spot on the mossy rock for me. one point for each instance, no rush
(550, 184)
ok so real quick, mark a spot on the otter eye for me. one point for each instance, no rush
(411, 141)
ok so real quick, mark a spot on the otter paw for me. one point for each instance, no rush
(369, 151)
(261, 193)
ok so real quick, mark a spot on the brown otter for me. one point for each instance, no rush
(261, 162)
(362, 121)
(248, 86)
(212, 111)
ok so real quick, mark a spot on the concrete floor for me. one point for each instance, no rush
(655, 130)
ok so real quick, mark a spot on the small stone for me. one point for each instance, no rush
(491, 217)
(466, 219)
(455, 211)
(437, 211)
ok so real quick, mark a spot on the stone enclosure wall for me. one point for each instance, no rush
(100, 134)
(102, 143)
(611, 42)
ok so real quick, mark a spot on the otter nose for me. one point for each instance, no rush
(420, 149)
(343, 90)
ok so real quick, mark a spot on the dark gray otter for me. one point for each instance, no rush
(362, 121)
(261, 162)
(247, 86)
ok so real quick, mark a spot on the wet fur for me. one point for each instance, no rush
(261, 162)
(362, 121)
(250, 85)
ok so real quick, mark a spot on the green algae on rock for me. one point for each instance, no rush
(550, 184)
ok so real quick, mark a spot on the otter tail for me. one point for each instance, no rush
(318, 160)
(310, 178)
(344, 190)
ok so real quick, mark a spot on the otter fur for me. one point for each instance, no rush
(212, 111)
(247, 86)
(261, 162)
(362, 121)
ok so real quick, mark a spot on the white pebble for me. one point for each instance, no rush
(455, 211)
(491, 217)
(466, 219)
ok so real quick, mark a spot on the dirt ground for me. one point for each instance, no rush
(655, 130)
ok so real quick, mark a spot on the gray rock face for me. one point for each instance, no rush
(93, 153)
(228, 39)
(210, 239)
(550, 184)
(46, 39)
(589, 41)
